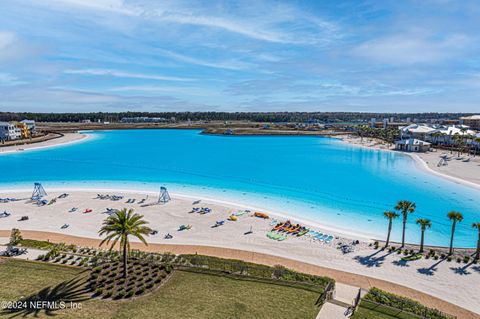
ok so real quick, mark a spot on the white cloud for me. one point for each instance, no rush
(121, 74)
(6, 79)
(6, 39)
(269, 22)
(411, 49)
(229, 65)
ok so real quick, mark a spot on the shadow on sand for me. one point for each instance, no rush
(464, 270)
(371, 260)
(430, 271)
(49, 300)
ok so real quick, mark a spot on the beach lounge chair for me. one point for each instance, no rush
(273, 222)
(329, 239)
(183, 227)
(168, 236)
(73, 209)
(153, 232)
(64, 195)
(23, 218)
(219, 223)
(5, 214)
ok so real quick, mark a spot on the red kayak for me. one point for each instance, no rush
(87, 211)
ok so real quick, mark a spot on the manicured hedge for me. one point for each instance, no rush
(404, 304)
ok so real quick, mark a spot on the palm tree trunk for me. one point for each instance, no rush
(389, 230)
(450, 252)
(125, 272)
(403, 232)
(478, 246)
(421, 241)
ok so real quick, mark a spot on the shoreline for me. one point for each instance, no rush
(420, 162)
(361, 281)
(66, 139)
(165, 218)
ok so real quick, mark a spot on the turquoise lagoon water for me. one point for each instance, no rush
(313, 178)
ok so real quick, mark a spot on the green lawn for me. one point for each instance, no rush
(20, 278)
(370, 311)
(184, 295)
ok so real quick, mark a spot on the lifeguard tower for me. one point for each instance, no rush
(38, 191)
(164, 196)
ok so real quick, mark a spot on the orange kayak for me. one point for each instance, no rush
(261, 215)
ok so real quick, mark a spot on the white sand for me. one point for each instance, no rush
(68, 138)
(456, 283)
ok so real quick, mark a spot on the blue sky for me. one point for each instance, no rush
(114, 55)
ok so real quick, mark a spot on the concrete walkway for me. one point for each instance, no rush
(343, 298)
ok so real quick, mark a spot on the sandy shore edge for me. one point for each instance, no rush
(419, 162)
(66, 139)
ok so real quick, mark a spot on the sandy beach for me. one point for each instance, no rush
(454, 282)
(67, 138)
(457, 170)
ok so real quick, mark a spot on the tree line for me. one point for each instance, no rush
(323, 117)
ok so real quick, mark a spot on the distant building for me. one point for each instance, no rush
(31, 126)
(86, 121)
(144, 119)
(8, 132)
(412, 145)
(471, 121)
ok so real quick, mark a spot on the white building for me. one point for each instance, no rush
(8, 132)
(435, 133)
(412, 145)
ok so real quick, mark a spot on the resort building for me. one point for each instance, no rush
(30, 124)
(437, 134)
(412, 145)
(8, 132)
(471, 121)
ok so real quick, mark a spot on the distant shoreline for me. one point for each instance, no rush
(462, 173)
(64, 139)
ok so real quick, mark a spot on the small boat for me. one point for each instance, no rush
(23, 218)
(65, 226)
(73, 209)
(261, 215)
(233, 218)
(88, 210)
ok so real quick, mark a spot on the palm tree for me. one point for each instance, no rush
(424, 224)
(119, 226)
(454, 217)
(477, 254)
(391, 216)
(405, 207)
